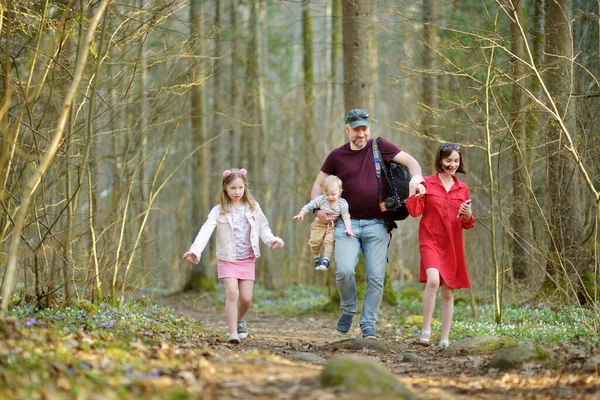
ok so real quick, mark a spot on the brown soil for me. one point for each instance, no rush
(266, 366)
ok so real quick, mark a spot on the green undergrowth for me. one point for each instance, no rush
(296, 299)
(523, 322)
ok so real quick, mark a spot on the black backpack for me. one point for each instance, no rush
(397, 179)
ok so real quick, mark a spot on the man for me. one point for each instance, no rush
(354, 164)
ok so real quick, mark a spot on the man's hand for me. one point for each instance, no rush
(326, 217)
(416, 186)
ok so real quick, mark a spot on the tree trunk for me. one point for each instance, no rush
(217, 126)
(373, 60)
(234, 139)
(357, 74)
(144, 175)
(565, 254)
(336, 110)
(429, 93)
(200, 277)
(521, 238)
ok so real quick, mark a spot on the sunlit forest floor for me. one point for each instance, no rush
(269, 369)
(161, 346)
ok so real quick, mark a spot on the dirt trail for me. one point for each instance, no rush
(283, 358)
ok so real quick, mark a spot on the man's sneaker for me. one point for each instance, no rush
(233, 339)
(242, 329)
(317, 261)
(324, 265)
(344, 323)
(370, 333)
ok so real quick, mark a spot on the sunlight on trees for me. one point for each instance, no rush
(117, 119)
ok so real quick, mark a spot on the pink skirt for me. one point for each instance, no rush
(240, 269)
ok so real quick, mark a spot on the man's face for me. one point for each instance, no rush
(359, 136)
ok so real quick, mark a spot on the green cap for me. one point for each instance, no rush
(357, 117)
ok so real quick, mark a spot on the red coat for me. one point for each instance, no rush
(440, 232)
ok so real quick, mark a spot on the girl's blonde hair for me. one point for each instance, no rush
(331, 182)
(229, 175)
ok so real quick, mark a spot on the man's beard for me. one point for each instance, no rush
(363, 143)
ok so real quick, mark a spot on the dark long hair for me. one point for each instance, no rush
(444, 151)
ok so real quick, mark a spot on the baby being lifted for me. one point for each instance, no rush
(321, 234)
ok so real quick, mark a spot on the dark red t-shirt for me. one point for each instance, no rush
(356, 169)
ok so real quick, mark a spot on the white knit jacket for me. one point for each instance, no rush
(259, 228)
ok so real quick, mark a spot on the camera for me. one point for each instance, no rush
(391, 203)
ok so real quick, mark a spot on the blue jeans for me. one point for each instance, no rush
(372, 239)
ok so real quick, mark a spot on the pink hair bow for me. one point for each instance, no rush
(227, 172)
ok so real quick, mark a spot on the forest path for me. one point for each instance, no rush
(283, 357)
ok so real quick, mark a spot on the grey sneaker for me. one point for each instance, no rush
(344, 323)
(242, 329)
(369, 333)
(324, 265)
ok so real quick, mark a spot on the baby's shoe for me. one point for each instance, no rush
(324, 265)
(317, 261)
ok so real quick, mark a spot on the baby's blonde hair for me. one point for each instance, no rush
(330, 183)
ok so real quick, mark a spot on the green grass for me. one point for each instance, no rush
(294, 300)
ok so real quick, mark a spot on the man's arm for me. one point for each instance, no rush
(416, 180)
(316, 189)
(321, 215)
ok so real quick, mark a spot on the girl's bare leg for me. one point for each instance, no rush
(232, 295)
(447, 310)
(245, 300)
(433, 282)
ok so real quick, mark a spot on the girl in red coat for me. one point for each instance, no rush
(446, 210)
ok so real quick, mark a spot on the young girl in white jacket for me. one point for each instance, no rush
(240, 224)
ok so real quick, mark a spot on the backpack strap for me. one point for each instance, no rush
(378, 166)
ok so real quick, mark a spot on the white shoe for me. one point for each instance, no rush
(233, 339)
(425, 337)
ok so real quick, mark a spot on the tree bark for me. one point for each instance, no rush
(565, 255)
(429, 92)
(335, 110)
(357, 74)
(520, 221)
(200, 277)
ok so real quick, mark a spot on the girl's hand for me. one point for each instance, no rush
(349, 233)
(189, 256)
(299, 216)
(277, 243)
(465, 210)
